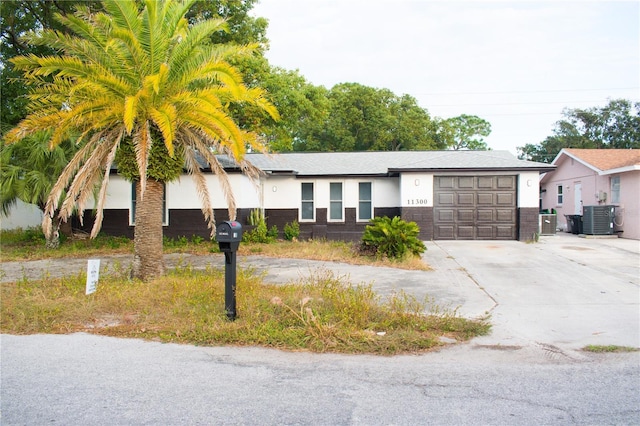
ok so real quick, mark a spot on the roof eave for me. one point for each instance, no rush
(476, 169)
(620, 170)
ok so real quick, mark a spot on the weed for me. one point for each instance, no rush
(292, 231)
(609, 348)
(323, 313)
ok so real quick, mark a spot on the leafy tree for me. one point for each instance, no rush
(463, 132)
(28, 171)
(362, 118)
(304, 109)
(17, 18)
(145, 81)
(616, 125)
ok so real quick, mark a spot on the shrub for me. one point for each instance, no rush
(392, 238)
(260, 233)
(291, 231)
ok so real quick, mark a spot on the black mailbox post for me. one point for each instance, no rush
(229, 235)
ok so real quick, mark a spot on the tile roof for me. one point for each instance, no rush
(607, 159)
(382, 163)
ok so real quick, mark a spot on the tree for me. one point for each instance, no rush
(18, 17)
(362, 118)
(463, 132)
(144, 86)
(616, 125)
(28, 171)
(303, 106)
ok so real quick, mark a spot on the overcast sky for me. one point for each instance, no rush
(516, 64)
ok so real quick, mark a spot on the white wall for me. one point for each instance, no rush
(182, 194)
(529, 189)
(22, 215)
(285, 192)
(416, 190)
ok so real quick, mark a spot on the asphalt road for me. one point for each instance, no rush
(546, 300)
(83, 379)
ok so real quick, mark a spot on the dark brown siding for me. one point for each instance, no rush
(527, 223)
(190, 222)
(423, 216)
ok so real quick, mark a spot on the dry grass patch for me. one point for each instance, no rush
(29, 245)
(322, 313)
(328, 251)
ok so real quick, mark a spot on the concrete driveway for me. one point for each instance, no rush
(563, 291)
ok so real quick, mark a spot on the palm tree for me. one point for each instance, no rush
(28, 171)
(142, 82)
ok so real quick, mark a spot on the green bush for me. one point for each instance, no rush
(292, 231)
(260, 233)
(392, 238)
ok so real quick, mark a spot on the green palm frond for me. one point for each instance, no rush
(124, 15)
(144, 74)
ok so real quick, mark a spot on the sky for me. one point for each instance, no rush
(516, 64)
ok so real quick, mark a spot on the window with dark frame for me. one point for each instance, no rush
(307, 211)
(560, 195)
(364, 201)
(615, 189)
(335, 201)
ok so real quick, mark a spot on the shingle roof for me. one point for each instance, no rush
(607, 159)
(382, 163)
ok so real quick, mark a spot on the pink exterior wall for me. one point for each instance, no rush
(628, 210)
(568, 174)
(594, 187)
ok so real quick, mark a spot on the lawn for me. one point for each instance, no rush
(321, 313)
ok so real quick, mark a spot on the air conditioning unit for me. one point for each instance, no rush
(598, 220)
(548, 224)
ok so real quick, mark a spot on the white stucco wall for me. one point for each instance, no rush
(528, 189)
(285, 192)
(416, 190)
(182, 193)
(22, 215)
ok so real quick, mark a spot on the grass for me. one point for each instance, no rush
(29, 245)
(324, 313)
(609, 348)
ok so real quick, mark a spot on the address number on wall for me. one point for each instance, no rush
(417, 201)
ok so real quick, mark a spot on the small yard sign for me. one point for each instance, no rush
(93, 272)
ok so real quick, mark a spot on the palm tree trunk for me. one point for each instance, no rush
(147, 240)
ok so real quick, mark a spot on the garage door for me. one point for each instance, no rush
(474, 207)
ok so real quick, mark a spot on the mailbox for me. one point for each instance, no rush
(229, 235)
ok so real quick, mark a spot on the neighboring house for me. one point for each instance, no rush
(450, 194)
(21, 215)
(592, 177)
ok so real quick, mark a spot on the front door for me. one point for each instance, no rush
(578, 198)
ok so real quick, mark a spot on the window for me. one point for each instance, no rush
(335, 201)
(307, 210)
(132, 218)
(560, 197)
(615, 189)
(364, 201)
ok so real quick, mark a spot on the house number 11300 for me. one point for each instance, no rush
(417, 201)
